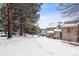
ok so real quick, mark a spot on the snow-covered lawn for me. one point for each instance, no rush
(36, 46)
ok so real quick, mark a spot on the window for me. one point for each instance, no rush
(68, 30)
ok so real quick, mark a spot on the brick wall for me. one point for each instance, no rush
(72, 35)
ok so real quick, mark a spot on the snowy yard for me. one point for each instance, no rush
(36, 46)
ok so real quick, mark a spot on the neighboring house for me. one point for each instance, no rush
(43, 32)
(50, 34)
(57, 34)
(48, 29)
(54, 30)
(70, 31)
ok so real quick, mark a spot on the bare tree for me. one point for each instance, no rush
(69, 9)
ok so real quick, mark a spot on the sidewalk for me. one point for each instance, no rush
(72, 43)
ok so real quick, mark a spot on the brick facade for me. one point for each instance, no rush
(71, 33)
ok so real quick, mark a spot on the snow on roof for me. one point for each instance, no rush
(70, 25)
(52, 25)
(58, 30)
(72, 20)
(50, 32)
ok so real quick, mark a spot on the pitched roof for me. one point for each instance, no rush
(52, 25)
(70, 25)
(76, 20)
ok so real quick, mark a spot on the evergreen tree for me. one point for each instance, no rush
(24, 17)
(10, 24)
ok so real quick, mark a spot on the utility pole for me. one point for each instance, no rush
(10, 24)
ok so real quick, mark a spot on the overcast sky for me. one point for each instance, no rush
(49, 14)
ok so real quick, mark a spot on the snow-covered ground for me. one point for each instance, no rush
(36, 46)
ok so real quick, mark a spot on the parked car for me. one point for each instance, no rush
(3, 35)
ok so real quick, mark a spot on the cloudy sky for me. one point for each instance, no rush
(49, 14)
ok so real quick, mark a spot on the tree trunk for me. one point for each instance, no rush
(21, 27)
(10, 25)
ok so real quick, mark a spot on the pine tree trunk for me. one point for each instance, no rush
(9, 10)
(21, 27)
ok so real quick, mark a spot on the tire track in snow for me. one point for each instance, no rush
(40, 46)
(6, 42)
